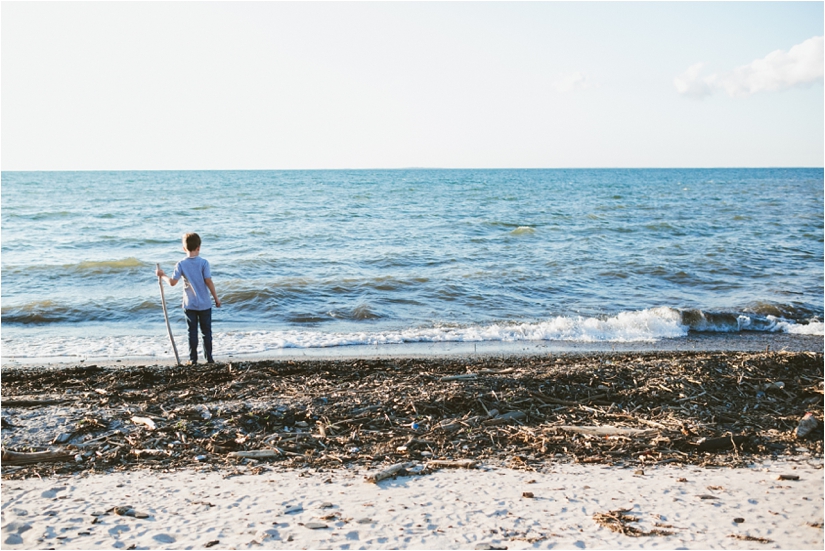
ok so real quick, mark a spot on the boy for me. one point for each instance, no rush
(197, 279)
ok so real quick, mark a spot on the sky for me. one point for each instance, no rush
(317, 85)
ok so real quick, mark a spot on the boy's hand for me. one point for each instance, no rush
(159, 272)
(217, 302)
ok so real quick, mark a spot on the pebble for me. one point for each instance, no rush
(315, 525)
(62, 438)
(326, 505)
(292, 509)
(364, 521)
(738, 520)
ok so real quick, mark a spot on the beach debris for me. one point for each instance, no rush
(483, 546)
(293, 509)
(806, 425)
(788, 477)
(62, 438)
(505, 418)
(148, 423)
(745, 537)
(465, 377)
(211, 543)
(395, 470)
(609, 431)
(203, 412)
(722, 443)
(516, 411)
(527, 495)
(28, 458)
(706, 496)
(453, 464)
(738, 520)
(618, 521)
(35, 402)
(257, 454)
(127, 511)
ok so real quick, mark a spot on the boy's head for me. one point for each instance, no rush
(191, 242)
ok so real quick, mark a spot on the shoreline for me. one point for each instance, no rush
(696, 342)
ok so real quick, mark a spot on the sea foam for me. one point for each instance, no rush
(650, 325)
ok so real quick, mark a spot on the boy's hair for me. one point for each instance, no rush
(191, 241)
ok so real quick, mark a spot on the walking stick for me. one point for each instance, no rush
(166, 317)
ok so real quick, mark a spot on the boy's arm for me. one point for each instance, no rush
(166, 278)
(208, 281)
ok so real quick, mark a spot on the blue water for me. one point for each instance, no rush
(332, 258)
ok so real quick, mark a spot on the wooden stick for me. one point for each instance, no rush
(388, 473)
(166, 317)
(608, 431)
(258, 454)
(466, 377)
(19, 458)
(458, 464)
(23, 403)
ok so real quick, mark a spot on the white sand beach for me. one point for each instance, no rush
(763, 506)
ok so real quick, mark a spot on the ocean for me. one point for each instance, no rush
(335, 258)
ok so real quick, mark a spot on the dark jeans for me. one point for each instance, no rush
(193, 319)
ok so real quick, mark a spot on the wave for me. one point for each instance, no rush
(84, 268)
(41, 312)
(523, 230)
(109, 266)
(733, 322)
(649, 325)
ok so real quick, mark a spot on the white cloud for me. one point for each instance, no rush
(690, 84)
(570, 82)
(800, 66)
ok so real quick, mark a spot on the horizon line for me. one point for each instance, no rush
(411, 168)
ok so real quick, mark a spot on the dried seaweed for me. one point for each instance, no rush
(702, 408)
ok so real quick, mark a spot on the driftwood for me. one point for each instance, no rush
(257, 454)
(462, 464)
(386, 411)
(33, 403)
(466, 377)
(722, 443)
(144, 421)
(21, 458)
(505, 418)
(609, 431)
(388, 473)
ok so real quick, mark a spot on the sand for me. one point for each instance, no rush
(772, 501)
(484, 508)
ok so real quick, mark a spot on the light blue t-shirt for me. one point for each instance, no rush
(194, 270)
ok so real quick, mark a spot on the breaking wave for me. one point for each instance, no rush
(649, 325)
